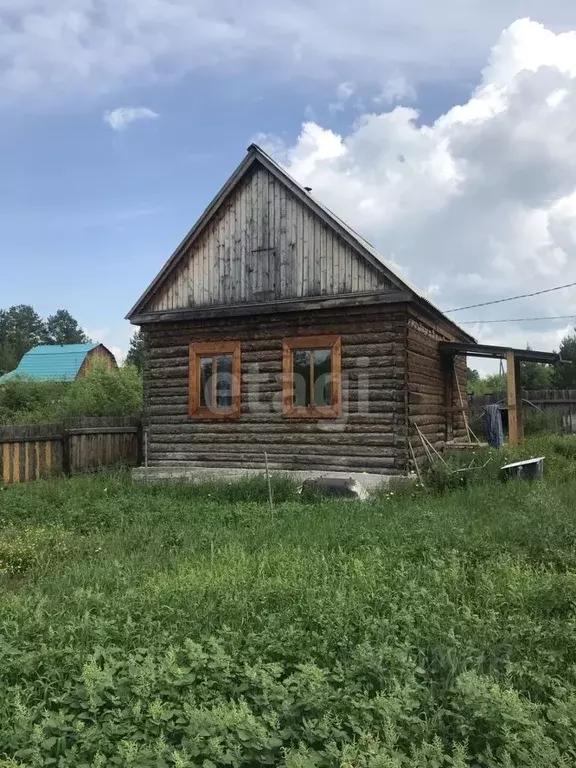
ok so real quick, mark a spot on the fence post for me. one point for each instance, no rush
(140, 443)
(66, 464)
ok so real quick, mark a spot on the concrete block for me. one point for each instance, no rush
(369, 481)
(335, 487)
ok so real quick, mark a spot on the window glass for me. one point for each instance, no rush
(322, 377)
(224, 381)
(312, 370)
(302, 391)
(214, 380)
(205, 382)
(312, 378)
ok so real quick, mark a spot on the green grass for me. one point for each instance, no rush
(189, 626)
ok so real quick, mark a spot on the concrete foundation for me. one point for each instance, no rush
(205, 475)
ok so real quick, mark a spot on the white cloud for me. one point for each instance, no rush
(343, 93)
(119, 119)
(119, 354)
(479, 204)
(397, 89)
(107, 337)
(51, 48)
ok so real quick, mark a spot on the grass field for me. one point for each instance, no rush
(180, 626)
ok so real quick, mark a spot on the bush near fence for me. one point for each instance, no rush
(29, 452)
(104, 392)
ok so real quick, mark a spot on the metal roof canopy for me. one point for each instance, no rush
(489, 350)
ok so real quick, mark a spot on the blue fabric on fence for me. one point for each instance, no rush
(493, 426)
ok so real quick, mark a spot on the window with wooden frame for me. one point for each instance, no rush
(312, 386)
(214, 380)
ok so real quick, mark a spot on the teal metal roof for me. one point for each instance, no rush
(51, 362)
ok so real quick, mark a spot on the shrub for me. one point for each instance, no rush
(104, 392)
(539, 423)
(24, 401)
(464, 469)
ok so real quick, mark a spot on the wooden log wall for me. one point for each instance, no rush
(433, 406)
(370, 435)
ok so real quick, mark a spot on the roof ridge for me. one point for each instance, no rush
(257, 148)
(360, 239)
(365, 249)
(64, 347)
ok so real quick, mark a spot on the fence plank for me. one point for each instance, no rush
(103, 430)
(31, 451)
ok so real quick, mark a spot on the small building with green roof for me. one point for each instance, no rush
(61, 362)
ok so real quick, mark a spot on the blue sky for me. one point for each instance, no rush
(90, 209)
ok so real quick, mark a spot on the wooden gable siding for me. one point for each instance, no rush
(426, 385)
(97, 356)
(263, 245)
(370, 436)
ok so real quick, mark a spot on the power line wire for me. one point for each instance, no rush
(512, 298)
(518, 319)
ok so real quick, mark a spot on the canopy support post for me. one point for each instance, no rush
(448, 372)
(515, 420)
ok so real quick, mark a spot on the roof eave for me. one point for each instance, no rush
(437, 313)
(308, 303)
(496, 351)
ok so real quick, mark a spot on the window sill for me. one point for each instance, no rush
(215, 414)
(330, 412)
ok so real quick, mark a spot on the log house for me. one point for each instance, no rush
(275, 328)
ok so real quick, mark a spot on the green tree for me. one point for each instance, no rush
(473, 376)
(564, 375)
(62, 328)
(8, 359)
(535, 376)
(495, 384)
(137, 352)
(21, 328)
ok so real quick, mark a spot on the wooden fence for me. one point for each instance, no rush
(556, 408)
(29, 452)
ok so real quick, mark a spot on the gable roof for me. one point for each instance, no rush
(256, 154)
(51, 362)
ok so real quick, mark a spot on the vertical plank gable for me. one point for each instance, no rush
(264, 244)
